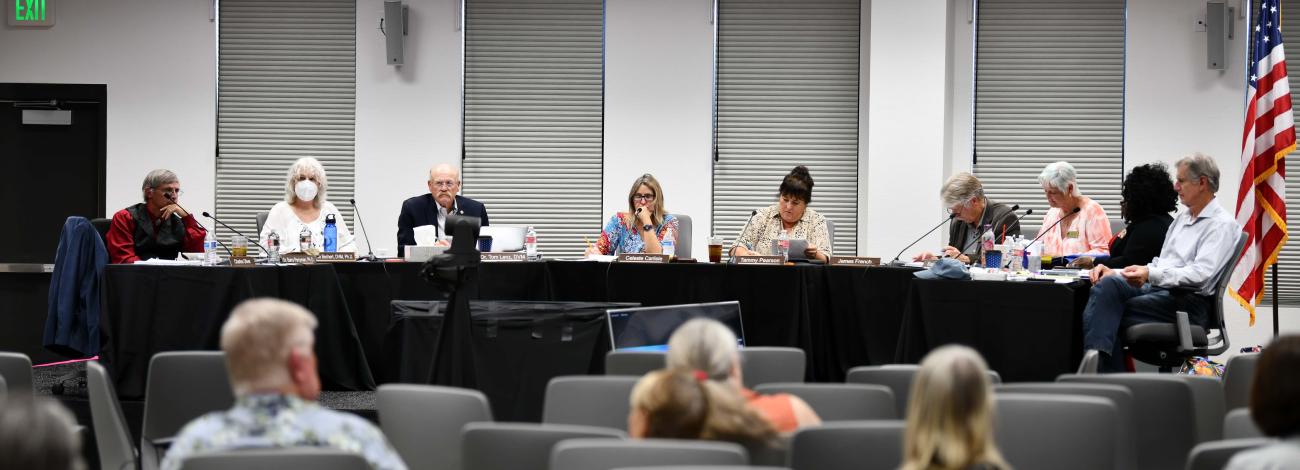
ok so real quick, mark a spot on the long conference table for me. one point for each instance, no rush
(840, 316)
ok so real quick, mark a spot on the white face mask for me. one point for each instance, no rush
(306, 190)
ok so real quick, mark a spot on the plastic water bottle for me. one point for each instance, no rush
(1034, 257)
(783, 246)
(209, 249)
(273, 248)
(669, 245)
(304, 238)
(530, 242)
(331, 234)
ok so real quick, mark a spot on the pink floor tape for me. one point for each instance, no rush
(96, 358)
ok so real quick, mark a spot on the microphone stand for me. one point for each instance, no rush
(977, 238)
(898, 262)
(731, 258)
(232, 229)
(362, 223)
(1053, 226)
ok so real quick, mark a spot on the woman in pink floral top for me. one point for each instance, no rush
(1084, 232)
(642, 227)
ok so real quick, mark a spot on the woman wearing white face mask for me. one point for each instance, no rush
(304, 205)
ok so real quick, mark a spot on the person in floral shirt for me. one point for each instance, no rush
(269, 348)
(642, 227)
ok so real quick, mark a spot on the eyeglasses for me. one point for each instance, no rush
(643, 197)
(170, 192)
(446, 184)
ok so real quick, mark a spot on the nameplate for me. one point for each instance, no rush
(759, 259)
(242, 262)
(502, 257)
(854, 261)
(297, 258)
(642, 258)
(336, 257)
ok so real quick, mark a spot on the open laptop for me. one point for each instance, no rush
(648, 328)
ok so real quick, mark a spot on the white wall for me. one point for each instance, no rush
(659, 105)
(906, 124)
(408, 117)
(157, 58)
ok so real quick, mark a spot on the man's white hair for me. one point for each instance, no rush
(258, 338)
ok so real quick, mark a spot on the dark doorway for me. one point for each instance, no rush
(50, 170)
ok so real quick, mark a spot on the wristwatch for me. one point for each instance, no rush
(648, 227)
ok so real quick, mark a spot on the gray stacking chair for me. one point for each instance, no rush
(1125, 450)
(182, 385)
(1214, 455)
(529, 444)
(589, 400)
(16, 368)
(1056, 431)
(637, 363)
(112, 438)
(1239, 425)
(1207, 397)
(840, 402)
(898, 377)
(609, 454)
(1237, 376)
(277, 459)
(848, 445)
(1091, 360)
(424, 422)
(1166, 416)
(770, 364)
(4, 388)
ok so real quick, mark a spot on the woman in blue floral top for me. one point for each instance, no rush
(642, 227)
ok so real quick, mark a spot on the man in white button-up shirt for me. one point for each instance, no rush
(1197, 244)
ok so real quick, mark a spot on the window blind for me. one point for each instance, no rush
(286, 89)
(534, 116)
(1049, 86)
(787, 94)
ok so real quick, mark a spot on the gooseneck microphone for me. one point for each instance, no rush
(981, 233)
(371, 255)
(237, 232)
(1058, 222)
(897, 262)
(752, 213)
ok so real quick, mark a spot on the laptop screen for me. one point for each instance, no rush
(648, 328)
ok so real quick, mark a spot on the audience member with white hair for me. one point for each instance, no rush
(950, 414)
(269, 346)
(304, 205)
(1083, 225)
(706, 348)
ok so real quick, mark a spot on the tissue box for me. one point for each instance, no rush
(420, 254)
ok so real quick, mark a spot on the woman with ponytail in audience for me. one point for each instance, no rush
(950, 414)
(704, 347)
(682, 404)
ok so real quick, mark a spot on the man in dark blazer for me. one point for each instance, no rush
(432, 208)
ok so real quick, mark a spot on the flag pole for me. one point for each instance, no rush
(1275, 299)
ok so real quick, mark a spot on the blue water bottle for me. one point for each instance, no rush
(331, 234)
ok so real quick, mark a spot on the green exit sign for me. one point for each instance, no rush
(30, 12)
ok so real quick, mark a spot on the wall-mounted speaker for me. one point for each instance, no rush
(1217, 32)
(395, 16)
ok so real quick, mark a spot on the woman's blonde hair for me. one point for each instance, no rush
(680, 404)
(950, 413)
(305, 166)
(705, 345)
(648, 180)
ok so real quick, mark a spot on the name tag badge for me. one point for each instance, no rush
(1072, 234)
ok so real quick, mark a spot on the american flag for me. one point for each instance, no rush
(1269, 136)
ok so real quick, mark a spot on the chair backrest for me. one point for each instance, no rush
(638, 363)
(771, 364)
(830, 231)
(1056, 431)
(424, 422)
(277, 459)
(1166, 418)
(16, 368)
(1125, 449)
(1207, 398)
(4, 388)
(705, 467)
(1214, 455)
(1220, 286)
(608, 454)
(1091, 360)
(1239, 425)
(1237, 375)
(589, 400)
(848, 445)
(840, 402)
(529, 444)
(684, 235)
(183, 385)
(261, 222)
(102, 226)
(1117, 225)
(898, 377)
(112, 438)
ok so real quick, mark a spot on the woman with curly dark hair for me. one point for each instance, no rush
(1148, 198)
